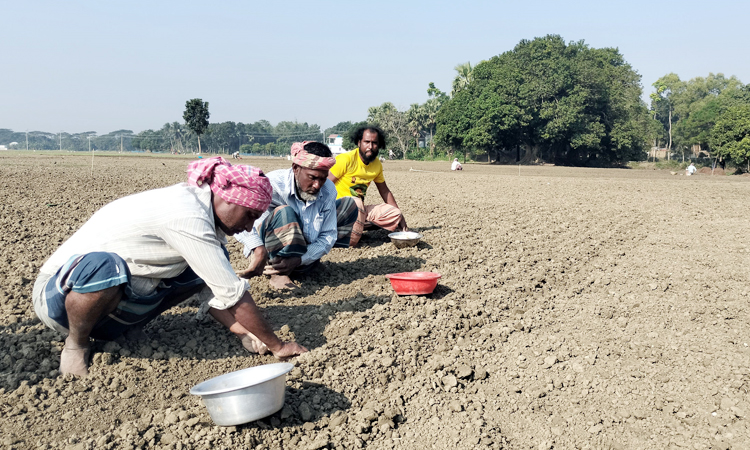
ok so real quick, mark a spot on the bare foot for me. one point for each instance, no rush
(281, 282)
(75, 360)
(253, 344)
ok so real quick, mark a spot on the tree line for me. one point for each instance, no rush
(567, 103)
(546, 100)
(710, 115)
(41, 140)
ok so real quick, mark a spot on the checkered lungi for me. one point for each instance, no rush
(282, 233)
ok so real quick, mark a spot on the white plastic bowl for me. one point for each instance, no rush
(245, 395)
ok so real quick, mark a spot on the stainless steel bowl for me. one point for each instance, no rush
(245, 395)
(402, 239)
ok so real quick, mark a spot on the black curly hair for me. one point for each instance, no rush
(360, 132)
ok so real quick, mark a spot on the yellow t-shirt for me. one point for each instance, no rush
(354, 176)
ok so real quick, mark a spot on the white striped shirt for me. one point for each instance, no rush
(318, 217)
(159, 233)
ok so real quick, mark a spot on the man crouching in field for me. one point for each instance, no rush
(304, 220)
(142, 254)
(353, 173)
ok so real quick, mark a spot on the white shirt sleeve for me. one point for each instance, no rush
(197, 242)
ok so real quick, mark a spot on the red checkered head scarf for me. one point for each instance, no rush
(305, 159)
(240, 184)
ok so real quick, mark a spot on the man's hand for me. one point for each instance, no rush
(402, 224)
(283, 266)
(258, 259)
(288, 350)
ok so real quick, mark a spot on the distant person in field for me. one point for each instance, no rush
(353, 173)
(304, 220)
(690, 169)
(140, 255)
(456, 165)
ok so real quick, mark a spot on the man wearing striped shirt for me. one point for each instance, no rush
(142, 254)
(304, 220)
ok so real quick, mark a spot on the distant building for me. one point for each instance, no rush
(336, 143)
(2, 147)
(660, 153)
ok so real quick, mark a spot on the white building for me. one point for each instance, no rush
(336, 143)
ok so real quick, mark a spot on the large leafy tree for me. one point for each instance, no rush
(703, 101)
(730, 137)
(196, 117)
(567, 103)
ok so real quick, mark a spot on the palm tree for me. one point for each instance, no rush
(431, 108)
(415, 121)
(464, 76)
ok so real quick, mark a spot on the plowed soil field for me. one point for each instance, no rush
(578, 308)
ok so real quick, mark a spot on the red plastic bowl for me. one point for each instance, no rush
(413, 283)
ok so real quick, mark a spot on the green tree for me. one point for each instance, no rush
(436, 100)
(730, 137)
(704, 100)
(196, 117)
(393, 123)
(415, 121)
(288, 133)
(663, 101)
(340, 128)
(224, 136)
(566, 103)
(464, 76)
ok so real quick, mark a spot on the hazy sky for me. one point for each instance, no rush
(101, 66)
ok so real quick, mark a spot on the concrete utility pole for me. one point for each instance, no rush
(27, 140)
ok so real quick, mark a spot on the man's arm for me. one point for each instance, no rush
(328, 231)
(388, 197)
(246, 313)
(332, 177)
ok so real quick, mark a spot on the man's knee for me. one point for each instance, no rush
(384, 216)
(281, 216)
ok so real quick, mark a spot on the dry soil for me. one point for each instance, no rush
(578, 308)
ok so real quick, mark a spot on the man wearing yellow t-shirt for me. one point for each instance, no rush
(353, 173)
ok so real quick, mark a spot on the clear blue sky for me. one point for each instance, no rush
(101, 66)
